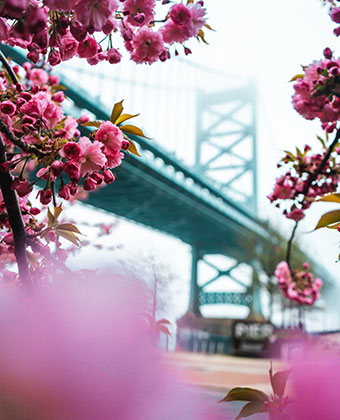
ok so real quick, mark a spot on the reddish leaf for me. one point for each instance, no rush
(328, 219)
(251, 408)
(279, 381)
(245, 394)
(164, 329)
(131, 129)
(117, 110)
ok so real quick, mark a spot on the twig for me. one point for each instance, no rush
(28, 148)
(289, 246)
(311, 179)
(50, 257)
(8, 68)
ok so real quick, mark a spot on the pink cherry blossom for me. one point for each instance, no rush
(180, 14)
(298, 286)
(172, 33)
(89, 183)
(92, 158)
(197, 17)
(114, 159)
(22, 187)
(54, 57)
(135, 7)
(108, 176)
(88, 48)
(45, 196)
(296, 214)
(147, 46)
(35, 107)
(72, 169)
(7, 108)
(64, 192)
(14, 8)
(53, 114)
(335, 14)
(71, 150)
(65, 5)
(68, 46)
(93, 15)
(111, 136)
(38, 76)
(4, 30)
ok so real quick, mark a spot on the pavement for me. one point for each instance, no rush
(219, 373)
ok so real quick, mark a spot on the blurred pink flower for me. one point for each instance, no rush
(315, 386)
(80, 349)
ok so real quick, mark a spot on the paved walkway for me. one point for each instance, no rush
(220, 373)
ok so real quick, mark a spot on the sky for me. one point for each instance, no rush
(264, 40)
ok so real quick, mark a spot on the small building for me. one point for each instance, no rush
(250, 337)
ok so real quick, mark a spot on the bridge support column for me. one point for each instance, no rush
(255, 290)
(194, 306)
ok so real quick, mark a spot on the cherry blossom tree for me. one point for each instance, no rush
(35, 132)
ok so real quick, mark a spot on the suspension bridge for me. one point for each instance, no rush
(206, 194)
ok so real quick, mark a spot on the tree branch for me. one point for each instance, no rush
(8, 68)
(10, 197)
(311, 179)
(28, 148)
(15, 219)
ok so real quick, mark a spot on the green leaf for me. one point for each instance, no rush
(68, 227)
(245, 394)
(251, 408)
(125, 117)
(132, 129)
(117, 110)
(96, 124)
(279, 382)
(333, 198)
(297, 76)
(328, 219)
(132, 148)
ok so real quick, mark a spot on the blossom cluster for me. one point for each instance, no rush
(335, 14)
(295, 190)
(298, 286)
(38, 135)
(62, 29)
(34, 115)
(317, 91)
